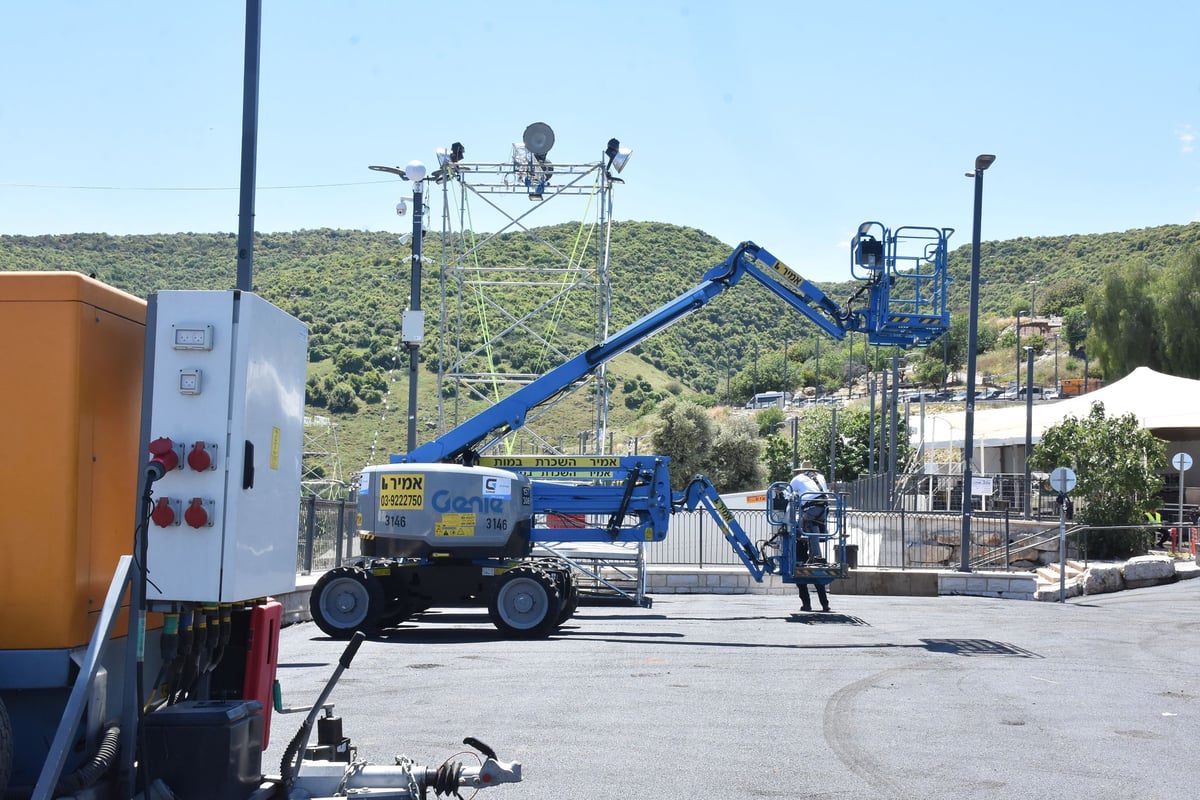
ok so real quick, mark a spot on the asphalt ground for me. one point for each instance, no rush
(730, 696)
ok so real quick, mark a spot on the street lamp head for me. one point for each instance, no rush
(982, 162)
(415, 171)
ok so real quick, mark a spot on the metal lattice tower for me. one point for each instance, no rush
(322, 465)
(502, 324)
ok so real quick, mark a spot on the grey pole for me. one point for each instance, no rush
(871, 427)
(414, 359)
(893, 421)
(982, 162)
(1017, 386)
(245, 251)
(833, 438)
(1028, 428)
(1062, 550)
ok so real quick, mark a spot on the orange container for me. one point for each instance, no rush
(70, 398)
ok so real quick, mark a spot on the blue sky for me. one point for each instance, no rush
(787, 123)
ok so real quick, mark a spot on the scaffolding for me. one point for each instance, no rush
(502, 325)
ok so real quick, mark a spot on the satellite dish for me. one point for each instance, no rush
(538, 138)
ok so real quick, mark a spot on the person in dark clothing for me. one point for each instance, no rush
(802, 587)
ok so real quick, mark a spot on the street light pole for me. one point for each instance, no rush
(415, 333)
(1017, 388)
(412, 321)
(982, 162)
(1028, 428)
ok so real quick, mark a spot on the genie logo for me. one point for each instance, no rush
(444, 502)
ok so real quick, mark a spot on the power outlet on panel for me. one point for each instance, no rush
(202, 457)
(167, 512)
(201, 512)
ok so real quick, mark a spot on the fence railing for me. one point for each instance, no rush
(891, 539)
(328, 534)
(898, 539)
(919, 491)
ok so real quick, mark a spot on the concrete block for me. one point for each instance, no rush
(977, 585)
(681, 579)
(1148, 571)
(1102, 580)
(952, 584)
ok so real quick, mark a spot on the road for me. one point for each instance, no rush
(723, 696)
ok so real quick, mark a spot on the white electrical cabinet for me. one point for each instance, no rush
(226, 400)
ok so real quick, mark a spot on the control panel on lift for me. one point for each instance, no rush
(226, 403)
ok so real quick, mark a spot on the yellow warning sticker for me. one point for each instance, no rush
(455, 525)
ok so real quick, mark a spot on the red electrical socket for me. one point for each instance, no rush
(201, 457)
(198, 513)
(165, 513)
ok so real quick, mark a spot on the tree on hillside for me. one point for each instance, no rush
(1180, 313)
(1074, 327)
(733, 459)
(684, 432)
(1126, 327)
(769, 420)
(727, 453)
(1061, 295)
(854, 441)
(778, 459)
(1116, 462)
(986, 334)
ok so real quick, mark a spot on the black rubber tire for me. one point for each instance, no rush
(6, 748)
(570, 599)
(345, 600)
(526, 603)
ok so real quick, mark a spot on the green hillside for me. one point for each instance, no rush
(351, 288)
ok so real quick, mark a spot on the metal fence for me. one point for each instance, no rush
(898, 539)
(921, 491)
(892, 539)
(327, 534)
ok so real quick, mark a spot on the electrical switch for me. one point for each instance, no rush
(202, 457)
(166, 512)
(199, 513)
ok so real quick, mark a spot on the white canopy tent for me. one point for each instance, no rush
(1168, 405)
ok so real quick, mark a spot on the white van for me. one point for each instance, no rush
(769, 399)
(1012, 394)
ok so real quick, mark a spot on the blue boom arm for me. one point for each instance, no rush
(925, 319)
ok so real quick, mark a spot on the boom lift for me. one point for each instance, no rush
(443, 525)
